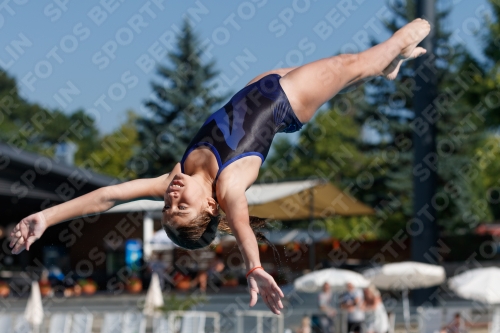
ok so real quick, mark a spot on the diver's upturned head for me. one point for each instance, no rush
(190, 217)
(199, 233)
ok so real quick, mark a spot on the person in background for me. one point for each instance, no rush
(352, 301)
(159, 266)
(455, 326)
(328, 311)
(376, 319)
(212, 276)
(305, 325)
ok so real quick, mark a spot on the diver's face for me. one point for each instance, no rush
(184, 200)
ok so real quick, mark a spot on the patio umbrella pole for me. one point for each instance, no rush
(406, 309)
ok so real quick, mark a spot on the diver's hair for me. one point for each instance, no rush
(197, 226)
(256, 223)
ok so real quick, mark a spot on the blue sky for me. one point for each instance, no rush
(102, 53)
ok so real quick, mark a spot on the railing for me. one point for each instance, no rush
(173, 316)
(259, 316)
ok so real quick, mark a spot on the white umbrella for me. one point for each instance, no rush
(160, 239)
(154, 297)
(480, 284)
(336, 278)
(34, 308)
(405, 276)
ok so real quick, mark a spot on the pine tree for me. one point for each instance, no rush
(486, 94)
(387, 111)
(182, 101)
(491, 50)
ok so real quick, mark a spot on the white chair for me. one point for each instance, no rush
(193, 322)
(134, 322)
(494, 326)
(5, 322)
(82, 323)
(112, 323)
(430, 319)
(60, 323)
(21, 325)
(161, 325)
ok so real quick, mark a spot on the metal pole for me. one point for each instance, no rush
(259, 323)
(217, 323)
(312, 249)
(239, 322)
(424, 222)
(147, 235)
(281, 324)
(406, 309)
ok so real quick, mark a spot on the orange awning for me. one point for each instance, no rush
(302, 200)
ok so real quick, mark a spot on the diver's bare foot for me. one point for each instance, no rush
(391, 72)
(412, 34)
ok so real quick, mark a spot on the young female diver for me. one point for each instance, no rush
(224, 157)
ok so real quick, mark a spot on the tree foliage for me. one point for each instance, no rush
(30, 127)
(381, 126)
(326, 149)
(388, 110)
(486, 95)
(183, 99)
(116, 150)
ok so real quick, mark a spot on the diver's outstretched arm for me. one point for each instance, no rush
(235, 206)
(29, 229)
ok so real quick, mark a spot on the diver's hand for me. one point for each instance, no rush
(27, 232)
(260, 282)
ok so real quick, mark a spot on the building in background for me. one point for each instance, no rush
(30, 183)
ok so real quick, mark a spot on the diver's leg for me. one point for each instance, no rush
(311, 85)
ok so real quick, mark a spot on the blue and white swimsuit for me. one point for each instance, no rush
(247, 124)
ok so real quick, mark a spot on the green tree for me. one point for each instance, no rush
(491, 50)
(9, 98)
(77, 127)
(182, 101)
(326, 148)
(16, 117)
(387, 111)
(488, 162)
(117, 149)
(486, 96)
(380, 170)
(31, 127)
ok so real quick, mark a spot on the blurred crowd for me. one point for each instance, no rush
(363, 307)
(364, 313)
